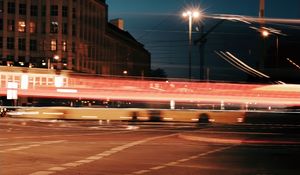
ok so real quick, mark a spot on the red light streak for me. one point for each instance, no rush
(141, 90)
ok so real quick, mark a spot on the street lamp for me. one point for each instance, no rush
(265, 33)
(190, 15)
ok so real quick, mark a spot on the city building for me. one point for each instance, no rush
(68, 34)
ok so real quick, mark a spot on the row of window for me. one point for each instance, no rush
(33, 29)
(22, 44)
(11, 9)
(33, 44)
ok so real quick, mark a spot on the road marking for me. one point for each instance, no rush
(72, 164)
(174, 163)
(73, 135)
(85, 161)
(42, 173)
(142, 172)
(94, 157)
(102, 155)
(183, 160)
(57, 169)
(157, 167)
(31, 146)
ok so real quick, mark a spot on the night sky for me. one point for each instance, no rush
(159, 26)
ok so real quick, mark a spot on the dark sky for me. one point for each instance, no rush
(159, 26)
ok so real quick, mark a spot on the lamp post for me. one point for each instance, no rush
(265, 34)
(190, 15)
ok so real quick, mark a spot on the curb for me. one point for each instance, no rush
(235, 141)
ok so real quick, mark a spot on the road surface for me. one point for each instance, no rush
(42, 147)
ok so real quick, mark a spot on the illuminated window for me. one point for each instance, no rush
(11, 25)
(32, 27)
(54, 27)
(64, 46)
(53, 45)
(22, 26)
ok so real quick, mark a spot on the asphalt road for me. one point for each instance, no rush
(42, 147)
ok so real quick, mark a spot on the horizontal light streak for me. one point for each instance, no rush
(53, 113)
(168, 118)
(89, 117)
(67, 90)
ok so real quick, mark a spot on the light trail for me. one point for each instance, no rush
(102, 88)
(293, 63)
(250, 19)
(240, 65)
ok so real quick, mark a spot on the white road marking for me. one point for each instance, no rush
(141, 172)
(103, 154)
(42, 173)
(157, 167)
(73, 164)
(174, 163)
(85, 161)
(31, 146)
(57, 169)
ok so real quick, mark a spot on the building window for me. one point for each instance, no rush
(73, 47)
(33, 45)
(43, 10)
(74, 13)
(22, 26)
(65, 11)
(1, 24)
(10, 58)
(64, 46)
(1, 6)
(65, 28)
(22, 9)
(54, 10)
(54, 27)
(32, 27)
(43, 27)
(34, 10)
(11, 8)
(11, 25)
(10, 43)
(1, 43)
(53, 45)
(74, 30)
(22, 44)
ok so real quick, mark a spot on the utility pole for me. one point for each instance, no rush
(201, 42)
(262, 15)
(262, 9)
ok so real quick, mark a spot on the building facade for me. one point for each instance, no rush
(68, 34)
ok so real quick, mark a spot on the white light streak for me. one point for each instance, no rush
(67, 90)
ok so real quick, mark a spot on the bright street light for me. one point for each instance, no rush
(265, 33)
(190, 15)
